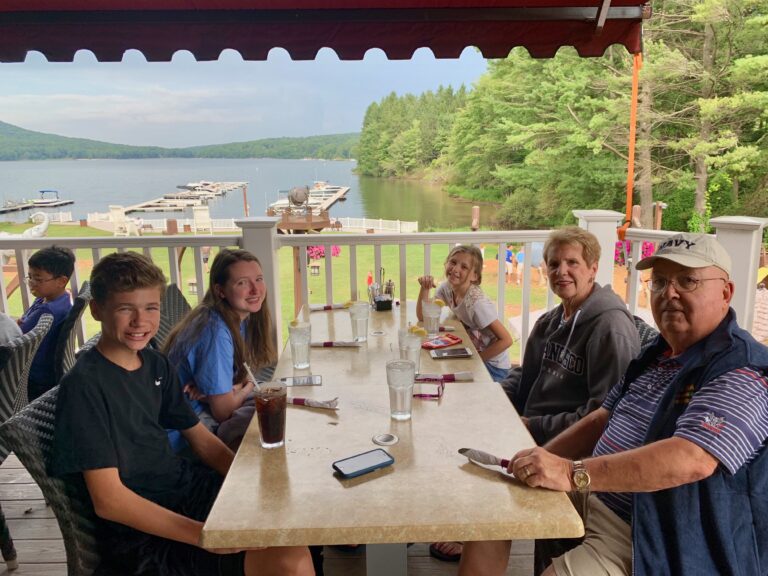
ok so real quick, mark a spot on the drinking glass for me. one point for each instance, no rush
(400, 375)
(431, 314)
(358, 314)
(410, 349)
(270, 410)
(299, 334)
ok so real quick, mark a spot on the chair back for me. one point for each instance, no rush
(117, 215)
(201, 220)
(647, 333)
(64, 353)
(15, 359)
(173, 307)
(30, 435)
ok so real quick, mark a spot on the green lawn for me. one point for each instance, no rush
(340, 264)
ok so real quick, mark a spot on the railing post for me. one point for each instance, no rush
(260, 238)
(603, 224)
(742, 237)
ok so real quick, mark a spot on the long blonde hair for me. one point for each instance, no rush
(257, 348)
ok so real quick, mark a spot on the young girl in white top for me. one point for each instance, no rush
(461, 292)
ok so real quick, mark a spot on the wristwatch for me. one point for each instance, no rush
(580, 477)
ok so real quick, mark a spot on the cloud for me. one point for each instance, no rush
(184, 103)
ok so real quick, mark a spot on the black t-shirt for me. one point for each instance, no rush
(109, 417)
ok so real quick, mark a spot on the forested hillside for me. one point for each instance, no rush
(19, 144)
(547, 136)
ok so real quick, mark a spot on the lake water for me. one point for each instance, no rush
(95, 184)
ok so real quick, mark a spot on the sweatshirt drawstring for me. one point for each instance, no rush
(568, 340)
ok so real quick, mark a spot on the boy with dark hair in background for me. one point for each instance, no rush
(112, 413)
(49, 273)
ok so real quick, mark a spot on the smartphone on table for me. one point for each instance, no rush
(363, 463)
(450, 353)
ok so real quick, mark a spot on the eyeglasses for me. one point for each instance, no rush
(436, 390)
(31, 280)
(681, 283)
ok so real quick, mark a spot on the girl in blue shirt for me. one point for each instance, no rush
(231, 326)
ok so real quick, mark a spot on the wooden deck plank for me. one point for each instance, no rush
(57, 569)
(34, 528)
(23, 509)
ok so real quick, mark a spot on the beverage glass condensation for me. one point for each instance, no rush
(431, 314)
(410, 348)
(358, 314)
(400, 375)
(270, 410)
(299, 335)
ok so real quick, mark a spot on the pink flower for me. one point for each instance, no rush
(317, 252)
(618, 254)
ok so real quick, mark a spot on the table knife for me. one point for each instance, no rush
(480, 457)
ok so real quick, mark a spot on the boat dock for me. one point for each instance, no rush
(33, 205)
(192, 194)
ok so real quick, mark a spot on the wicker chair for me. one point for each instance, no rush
(15, 359)
(88, 344)
(647, 333)
(64, 355)
(30, 435)
(173, 308)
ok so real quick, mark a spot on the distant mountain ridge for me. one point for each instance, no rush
(19, 144)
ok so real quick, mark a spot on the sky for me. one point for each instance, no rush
(188, 103)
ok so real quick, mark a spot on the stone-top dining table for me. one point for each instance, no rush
(291, 496)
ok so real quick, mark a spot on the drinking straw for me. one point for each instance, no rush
(252, 377)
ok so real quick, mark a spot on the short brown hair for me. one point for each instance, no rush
(590, 247)
(477, 258)
(124, 272)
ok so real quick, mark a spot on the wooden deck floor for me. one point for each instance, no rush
(41, 549)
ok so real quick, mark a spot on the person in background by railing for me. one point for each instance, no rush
(231, 326)
(49, 273)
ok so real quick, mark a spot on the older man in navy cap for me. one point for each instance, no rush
(677, 480)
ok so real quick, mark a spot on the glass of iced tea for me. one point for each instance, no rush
(270, 410)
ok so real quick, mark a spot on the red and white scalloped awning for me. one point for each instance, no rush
(159, 28)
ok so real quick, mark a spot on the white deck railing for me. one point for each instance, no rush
(377, 225)
(740, 235)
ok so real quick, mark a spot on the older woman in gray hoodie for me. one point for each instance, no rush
(577, 351)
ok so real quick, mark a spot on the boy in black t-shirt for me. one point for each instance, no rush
(111, 417)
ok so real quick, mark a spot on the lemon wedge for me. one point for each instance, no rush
(348, 303)
(418, 330)
(293, 323)
(439, 302)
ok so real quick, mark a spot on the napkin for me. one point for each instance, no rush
(311, 403)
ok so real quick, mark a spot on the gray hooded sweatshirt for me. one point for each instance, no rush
(569, 367)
